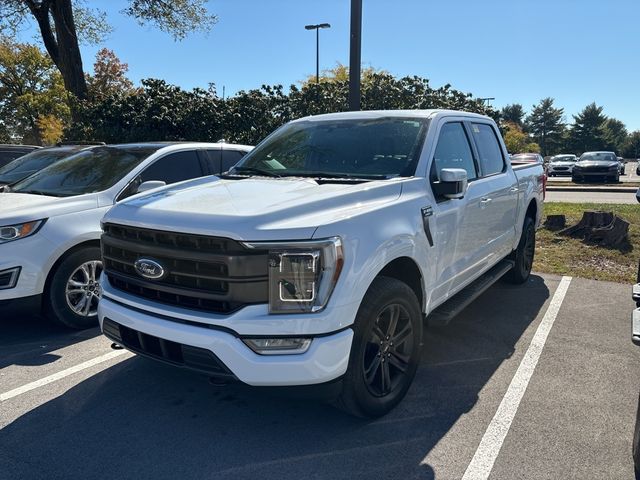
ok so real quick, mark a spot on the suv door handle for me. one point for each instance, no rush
(513, 189)
(485, 200)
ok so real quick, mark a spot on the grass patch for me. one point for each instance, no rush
(569, 256)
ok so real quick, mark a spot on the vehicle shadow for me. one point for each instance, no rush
(140, 419)
(27, 339)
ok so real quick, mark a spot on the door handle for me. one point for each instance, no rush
(513, 189)
(485, 200)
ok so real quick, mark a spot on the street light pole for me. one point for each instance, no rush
(317, 29)
(355, 55)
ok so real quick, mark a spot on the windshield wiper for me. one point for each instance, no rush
(345, 176)
(257, 171)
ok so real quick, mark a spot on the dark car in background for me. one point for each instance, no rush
(11, 152)
(598, 166)
(28, 164)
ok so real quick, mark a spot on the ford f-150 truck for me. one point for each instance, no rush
(317, 258)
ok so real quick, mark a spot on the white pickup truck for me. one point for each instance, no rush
(316, 259)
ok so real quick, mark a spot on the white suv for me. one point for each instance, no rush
(50, 222)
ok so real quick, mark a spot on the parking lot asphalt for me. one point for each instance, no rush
(129, 417)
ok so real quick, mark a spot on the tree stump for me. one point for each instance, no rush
(555, 222)
(603, 228)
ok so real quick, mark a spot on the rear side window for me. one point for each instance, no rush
(175, 167)
(489, 151)
(453, 151)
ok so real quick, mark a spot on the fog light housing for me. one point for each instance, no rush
(9, 278)
(278, 346)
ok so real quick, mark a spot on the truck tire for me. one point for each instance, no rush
(385, 352)
(72, 297)
(524, 253)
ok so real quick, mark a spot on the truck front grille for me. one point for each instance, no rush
(203, 273)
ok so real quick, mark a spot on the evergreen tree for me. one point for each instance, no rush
(513, 114)
(616, 135)
(589, 132)
(546, 126)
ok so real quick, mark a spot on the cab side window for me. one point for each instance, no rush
(175, 167)
(489, 151)
(453, 151)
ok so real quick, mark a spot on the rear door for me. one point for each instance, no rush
(499, 192)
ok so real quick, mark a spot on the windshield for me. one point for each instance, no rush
(564, 158)
(601, 156)
(88, 171)
(24, 166)
(351, 149)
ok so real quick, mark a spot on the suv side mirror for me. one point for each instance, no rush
(452, 184)
(150, 185)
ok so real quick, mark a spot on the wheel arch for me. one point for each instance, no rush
(406, 270)
(60, 259)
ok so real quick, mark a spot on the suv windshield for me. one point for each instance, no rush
(601, 156)
(24, 166)
(351, 149)
(88, 171)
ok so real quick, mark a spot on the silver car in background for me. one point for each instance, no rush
(561, 165)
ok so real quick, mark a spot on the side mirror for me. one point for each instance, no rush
(150, 185)
(452, 184)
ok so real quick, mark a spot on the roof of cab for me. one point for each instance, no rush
(373, 114)
(159, 145)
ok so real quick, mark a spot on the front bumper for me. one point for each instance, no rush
(325, 360)
(32, 255)
(552, 171)
(591, 173)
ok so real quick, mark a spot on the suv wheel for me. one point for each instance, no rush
(524, 254)
(385, 351)
(74, 291)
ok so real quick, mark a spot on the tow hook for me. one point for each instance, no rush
(218, 382)
(115, 346)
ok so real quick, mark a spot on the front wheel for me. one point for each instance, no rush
(524, 253)
(385, 351)
(74, 291)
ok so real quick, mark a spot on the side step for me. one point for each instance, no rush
(442, 315)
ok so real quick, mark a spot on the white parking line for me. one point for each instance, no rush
(491, 443)
(62, 374)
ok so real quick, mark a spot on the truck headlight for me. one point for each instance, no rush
(302, 275)
(9, 233)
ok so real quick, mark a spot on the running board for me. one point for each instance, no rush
(442, 315)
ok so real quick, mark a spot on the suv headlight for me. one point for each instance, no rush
(9, 233)
(302, 275)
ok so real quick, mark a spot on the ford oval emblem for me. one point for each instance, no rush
(148, 268)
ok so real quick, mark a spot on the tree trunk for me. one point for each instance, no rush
(62, 46)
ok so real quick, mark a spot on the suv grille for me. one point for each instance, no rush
(203, 273)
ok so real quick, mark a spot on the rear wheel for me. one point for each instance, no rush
(524, 254)
(385, 351)
(74, 290)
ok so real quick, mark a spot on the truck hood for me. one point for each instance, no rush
(25, 207)
(253, 208)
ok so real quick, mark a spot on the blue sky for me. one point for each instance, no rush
(576, 51)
